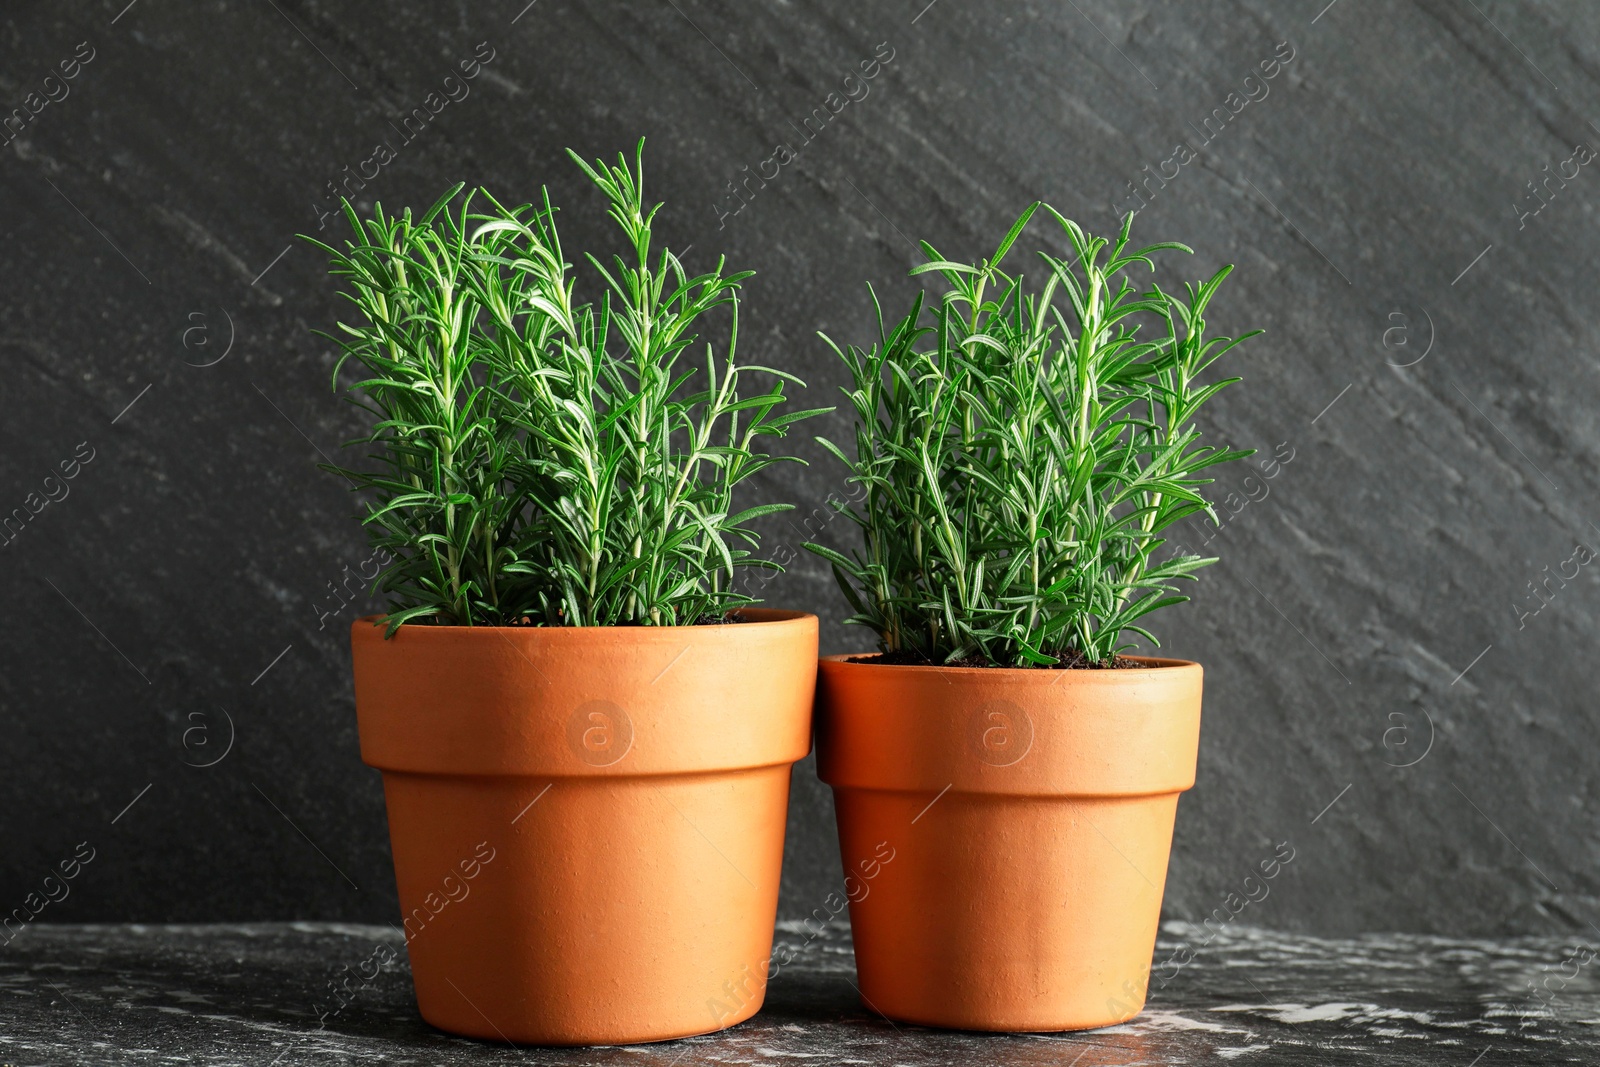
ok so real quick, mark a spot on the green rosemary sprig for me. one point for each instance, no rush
(1021, 452)
(537, 459)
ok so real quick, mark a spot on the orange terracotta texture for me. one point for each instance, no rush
(587, 822)
(1030, 813)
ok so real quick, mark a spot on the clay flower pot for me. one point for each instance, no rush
(587, 822)
(1030, 816)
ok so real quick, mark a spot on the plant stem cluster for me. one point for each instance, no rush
(534, 458)
(1022, 450)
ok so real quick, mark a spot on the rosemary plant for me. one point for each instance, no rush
(1021, 451)
(534, 459)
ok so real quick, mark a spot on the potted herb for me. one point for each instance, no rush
(1019, 451)
(585, 734)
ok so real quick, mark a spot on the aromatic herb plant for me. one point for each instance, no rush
(534, 459)
(1021, 450)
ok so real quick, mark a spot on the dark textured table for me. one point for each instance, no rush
(252, 994)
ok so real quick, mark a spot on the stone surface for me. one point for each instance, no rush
(251, 995)
(1372, 610)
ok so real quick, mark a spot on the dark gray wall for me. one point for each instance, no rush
(1372, 188)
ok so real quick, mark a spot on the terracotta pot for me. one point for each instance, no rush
(1028, 815)
(587, 822)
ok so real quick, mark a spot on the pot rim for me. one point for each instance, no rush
(521, 700)
(766, 617)
(1155, 664)
(1066, 734)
